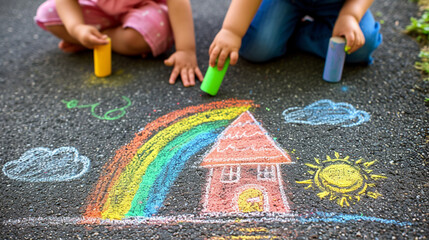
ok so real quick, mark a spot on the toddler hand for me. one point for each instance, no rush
(347, 26)
(185, 64)
(226, 44)
(89, 36)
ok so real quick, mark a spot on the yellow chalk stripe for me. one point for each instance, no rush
(367, 164)
(323, 194)
(308, 181)
(312, 166)
(244, 237)
(344, 200)
(373, 176)
(359, 161)
(254, 229)
(122, 194)
(374, 195)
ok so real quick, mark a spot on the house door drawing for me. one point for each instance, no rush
(251, 200)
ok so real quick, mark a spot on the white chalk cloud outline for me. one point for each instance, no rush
(43, 165)
(326, 112)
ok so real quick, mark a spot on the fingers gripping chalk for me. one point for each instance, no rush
(103, 59)
(334, 62)
(213, 79)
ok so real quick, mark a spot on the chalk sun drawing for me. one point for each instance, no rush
(342, 179)
(45, 165)
(326, 112)
(244, 171)
(137, 180)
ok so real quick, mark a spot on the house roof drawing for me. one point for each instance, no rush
(243, 142)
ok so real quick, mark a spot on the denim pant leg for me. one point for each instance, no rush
(314, 37)
(269, 31)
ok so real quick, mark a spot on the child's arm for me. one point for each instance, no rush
(184, 59)
(228, 41)
(347, 24)
(71, 15)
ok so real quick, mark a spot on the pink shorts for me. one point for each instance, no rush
(149, 19)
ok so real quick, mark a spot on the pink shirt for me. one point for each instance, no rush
(116, 7)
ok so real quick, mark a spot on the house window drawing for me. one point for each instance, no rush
(245, 171)
(230, 174)
(267, 173)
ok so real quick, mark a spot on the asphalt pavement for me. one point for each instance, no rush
(278, 153)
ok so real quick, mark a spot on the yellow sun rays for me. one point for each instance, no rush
(342, 179)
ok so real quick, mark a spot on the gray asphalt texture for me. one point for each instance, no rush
(35, 76)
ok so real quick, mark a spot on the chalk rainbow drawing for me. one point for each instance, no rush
(326, 112)
(45, 165)
(244, 170)
(342, 179)
(137, 180)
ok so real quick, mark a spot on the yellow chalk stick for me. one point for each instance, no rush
(103, 60)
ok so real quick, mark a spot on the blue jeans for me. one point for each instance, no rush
(278, 26)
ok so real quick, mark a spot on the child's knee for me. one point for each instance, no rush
(373, 37)
(135, 41)
(47, 15)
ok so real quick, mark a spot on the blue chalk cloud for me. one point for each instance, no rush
(45, 165)
(326, 112)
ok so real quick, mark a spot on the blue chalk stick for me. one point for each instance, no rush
(334, 62)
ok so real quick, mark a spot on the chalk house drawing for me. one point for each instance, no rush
(326, 112)
(342, 179)
(244, 170)
(45, 165)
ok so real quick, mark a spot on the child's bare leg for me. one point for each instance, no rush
(127, 41)
(67, 43)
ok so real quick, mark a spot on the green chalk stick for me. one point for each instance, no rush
(213, 79)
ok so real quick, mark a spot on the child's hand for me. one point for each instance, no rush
(185, 64)
(347, 26)
(226, 44)
(89, 36)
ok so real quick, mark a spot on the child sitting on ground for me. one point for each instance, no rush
(260, 32)
(135, 27)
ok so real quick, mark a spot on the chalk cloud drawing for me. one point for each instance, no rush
(244, 171)
(342, 179)
(326, 112)
(45, 165)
